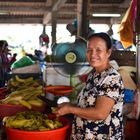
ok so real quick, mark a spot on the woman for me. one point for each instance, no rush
(4, 62)
(98, 113)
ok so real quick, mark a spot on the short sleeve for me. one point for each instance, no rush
(111, 86)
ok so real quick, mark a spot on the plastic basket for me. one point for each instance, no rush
(8, 110)
(11, 109)
(59, 90)
(3, 92)
(57, 134)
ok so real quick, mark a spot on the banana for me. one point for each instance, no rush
(13, 83)
(20, 123)
(36, 102)
(19, 79)
(22, 92)
(26, 80)
(53, 109)
(13, 102)
(29, 80)
(25, 92)
(11, 99)
(25, 103)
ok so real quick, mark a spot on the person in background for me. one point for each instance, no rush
(13, 58)
(4, 62)
(35, 56)
(38, 55)
(98, 112)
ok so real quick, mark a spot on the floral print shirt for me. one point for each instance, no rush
(108, 83)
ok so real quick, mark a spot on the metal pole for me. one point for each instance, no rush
(138, 59)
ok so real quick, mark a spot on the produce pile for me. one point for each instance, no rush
(31, 121)
(24, 92)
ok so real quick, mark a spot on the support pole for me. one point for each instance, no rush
(82, 18)
(137, 29)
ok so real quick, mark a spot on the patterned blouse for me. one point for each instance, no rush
(108, 83)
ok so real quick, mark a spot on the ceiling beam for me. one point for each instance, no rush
(21, 4)
(100, 20)
(125, 4)
(60, 20)
(41, 9)
(114, 10)
(64, 10)
(21, 20)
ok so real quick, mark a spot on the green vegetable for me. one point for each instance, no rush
(31, 121)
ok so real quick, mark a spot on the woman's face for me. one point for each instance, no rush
(97, 52)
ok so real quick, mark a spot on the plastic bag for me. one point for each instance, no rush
(24, 61)
(129, 96)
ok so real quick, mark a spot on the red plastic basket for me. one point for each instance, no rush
(10, 109)
(57, 134)
(3, 92)
(59, 90)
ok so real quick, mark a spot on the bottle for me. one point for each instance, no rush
(44, 75)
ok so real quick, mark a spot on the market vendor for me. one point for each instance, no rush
(98, 113)
(4, 62)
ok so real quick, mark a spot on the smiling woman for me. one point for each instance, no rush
(98, 112)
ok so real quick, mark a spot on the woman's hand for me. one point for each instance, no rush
(63, 109)
(100, 112)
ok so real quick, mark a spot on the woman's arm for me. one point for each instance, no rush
(101, 110)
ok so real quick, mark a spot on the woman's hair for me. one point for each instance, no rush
(3, 43)
(104, 36)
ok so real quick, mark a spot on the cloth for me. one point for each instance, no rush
(126, 29)
(127, 80)
(107, 83)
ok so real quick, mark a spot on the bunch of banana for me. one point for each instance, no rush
(30, 120)
(20, 83)
(25, 93)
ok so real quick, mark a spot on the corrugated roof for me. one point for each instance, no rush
(35, 11)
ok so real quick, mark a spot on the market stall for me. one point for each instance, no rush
(37, 88)
(24, 106)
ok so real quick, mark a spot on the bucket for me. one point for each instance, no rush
(11, 109)
(57, 134)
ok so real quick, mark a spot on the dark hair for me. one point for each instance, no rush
(3, 43)
(103, 36)
(15, 54)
